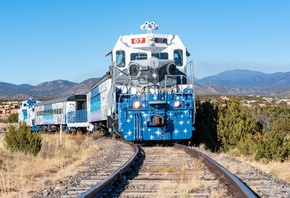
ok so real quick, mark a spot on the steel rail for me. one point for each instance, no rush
(236, 186)
(105, 184)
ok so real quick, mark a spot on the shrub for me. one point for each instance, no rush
(13, 118)
(206, 125)
(236, 127)
(22, 139)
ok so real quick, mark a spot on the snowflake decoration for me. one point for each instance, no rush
(158, 132)
(181, 122)
(176, 131)
(129, 132)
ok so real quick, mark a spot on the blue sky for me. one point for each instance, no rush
(45, 40)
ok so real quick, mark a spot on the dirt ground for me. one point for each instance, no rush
(1, 139)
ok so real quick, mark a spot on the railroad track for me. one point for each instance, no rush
(263, 184)
(98, 169)
(168, 172)
(164, 172)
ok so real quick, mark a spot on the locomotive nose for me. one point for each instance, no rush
(154, 69)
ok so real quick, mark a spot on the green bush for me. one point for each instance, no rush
(206, 125)
(22, 139)
(13, 118)
(236, 126)
(263, 132)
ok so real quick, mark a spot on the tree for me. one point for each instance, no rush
(235, 125)
(206, 125)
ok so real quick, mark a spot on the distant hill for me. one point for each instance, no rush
(234, 82)
(219, 90)
(45, 90)
(248, 79)
(12, 86)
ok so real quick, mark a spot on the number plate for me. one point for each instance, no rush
(137, 40)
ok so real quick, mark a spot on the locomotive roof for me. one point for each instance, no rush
(102, 79)
(80, 97)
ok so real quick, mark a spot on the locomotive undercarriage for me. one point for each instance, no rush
(53, 128)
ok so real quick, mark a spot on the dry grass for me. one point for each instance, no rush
(279, 170)
(22, 174)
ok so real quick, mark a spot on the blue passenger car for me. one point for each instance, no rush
(48, 116)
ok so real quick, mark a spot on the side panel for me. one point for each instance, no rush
(76, 115)
(98, 102)
(59, 113)
(70, 111)
(49, 114)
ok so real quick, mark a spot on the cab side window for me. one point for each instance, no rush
(120, 58)
(178, 58)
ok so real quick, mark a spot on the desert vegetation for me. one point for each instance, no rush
(257, 134)
(262, 132)
(40, 159)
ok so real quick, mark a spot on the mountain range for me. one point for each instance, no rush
(248, 79)
(45, 90)
(233, 82)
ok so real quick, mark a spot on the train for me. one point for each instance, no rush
(147, 94)
(68, 113)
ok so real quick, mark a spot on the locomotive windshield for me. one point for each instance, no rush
(160, 55)
(138, 56)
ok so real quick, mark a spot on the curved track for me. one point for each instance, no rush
(123, 163)
(132, 171)
(263, 184)
(168, 172)
(235, 185)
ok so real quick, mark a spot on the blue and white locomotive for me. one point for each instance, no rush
(148, 94)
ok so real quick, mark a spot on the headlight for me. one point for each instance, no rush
(177, 104)
(150, 42)
(137, 104)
